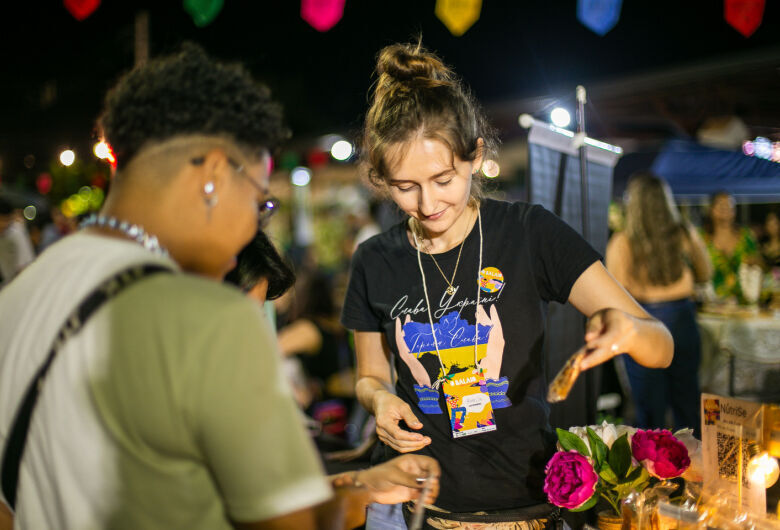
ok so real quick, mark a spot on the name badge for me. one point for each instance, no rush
(468, 403)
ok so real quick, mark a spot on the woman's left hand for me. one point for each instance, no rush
(608, 333)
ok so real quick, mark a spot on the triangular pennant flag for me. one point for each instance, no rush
(744, 15)
(322, 14)
(458, 15)
(203, 12)
(599, 16)
(81, 9)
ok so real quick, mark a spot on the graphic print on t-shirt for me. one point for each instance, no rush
(455, 339)
(491, 280)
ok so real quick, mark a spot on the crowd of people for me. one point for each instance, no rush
(225, 382)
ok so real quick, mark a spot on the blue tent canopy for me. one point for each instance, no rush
(694, 172)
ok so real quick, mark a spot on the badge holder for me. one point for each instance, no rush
(468, 404)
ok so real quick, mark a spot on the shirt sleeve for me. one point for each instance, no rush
(559, 255)
(249, 428)
(357, 313)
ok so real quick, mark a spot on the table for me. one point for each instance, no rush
(740, 353)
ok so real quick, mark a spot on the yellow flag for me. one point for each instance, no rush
(458, 15)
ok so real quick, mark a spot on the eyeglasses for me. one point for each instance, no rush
(265, 208)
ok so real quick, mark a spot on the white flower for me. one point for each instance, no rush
(608, 433)
(694, 471)
(626, 429)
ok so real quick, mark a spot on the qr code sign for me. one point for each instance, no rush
(728, 457)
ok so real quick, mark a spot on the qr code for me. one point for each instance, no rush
(728, 457)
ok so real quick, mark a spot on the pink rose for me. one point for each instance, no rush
(663, 455)
(570, 480)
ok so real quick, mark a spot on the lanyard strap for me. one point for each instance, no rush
(428, 302)
(17, 438)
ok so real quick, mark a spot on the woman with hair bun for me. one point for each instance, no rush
(455, 297)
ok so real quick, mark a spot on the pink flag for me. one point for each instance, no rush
(322, 14)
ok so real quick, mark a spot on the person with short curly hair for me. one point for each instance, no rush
(167, 408)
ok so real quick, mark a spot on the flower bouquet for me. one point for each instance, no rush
(609, 462)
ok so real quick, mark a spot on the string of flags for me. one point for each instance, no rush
(458, 16)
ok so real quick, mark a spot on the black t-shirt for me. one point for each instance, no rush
(529, 257)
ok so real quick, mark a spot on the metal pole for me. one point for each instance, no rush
(581, 98)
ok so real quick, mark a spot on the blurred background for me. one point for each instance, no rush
(661, 77)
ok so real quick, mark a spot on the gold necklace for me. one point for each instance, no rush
(450, 288)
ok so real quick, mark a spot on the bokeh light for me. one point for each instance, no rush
(101, 150)
(30, 212)
(67, 157)
(560, 117)
(300, 176)
(341, 150)
(491, 169)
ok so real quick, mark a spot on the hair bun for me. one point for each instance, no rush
(411, 62)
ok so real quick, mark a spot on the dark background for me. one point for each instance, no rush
(518, 57)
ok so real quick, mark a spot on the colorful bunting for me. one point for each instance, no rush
(81, 9)
(203, 12)
(322, 14)
(599, 16)
(744, 15)
(458, 15)
(43, 182)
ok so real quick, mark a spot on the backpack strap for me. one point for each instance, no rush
(17, 438)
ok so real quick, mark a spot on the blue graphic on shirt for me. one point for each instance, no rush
(427, 399)
(455, 337)
(451, 332)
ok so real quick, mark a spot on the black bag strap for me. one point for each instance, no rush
(17, 438)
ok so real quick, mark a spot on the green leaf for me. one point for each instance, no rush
(607, 473)
(624, 489)
(598, 447)
(641, 480)
(620, 456)
(588, 504)
(570, 441)
(634, 474)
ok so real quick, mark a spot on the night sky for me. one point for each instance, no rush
(56, 69)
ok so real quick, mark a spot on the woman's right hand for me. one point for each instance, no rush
(402, 479)
(390, 410)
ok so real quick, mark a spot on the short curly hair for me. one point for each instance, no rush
(184, 93)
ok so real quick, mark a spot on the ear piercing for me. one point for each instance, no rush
(211, 197)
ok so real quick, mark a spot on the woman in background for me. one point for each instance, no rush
(770, 246)
(729, 246)
(658, 258)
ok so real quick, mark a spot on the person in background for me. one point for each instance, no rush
(58, 227)
(448, 306)
(16, 248)
(264, 275)
(369, 226)
(167, 409)
(261, 271)
(770, 245)
(659, 258)
(729, 247)
(313, 335)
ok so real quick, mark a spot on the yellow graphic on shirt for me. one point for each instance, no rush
(491, 280)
